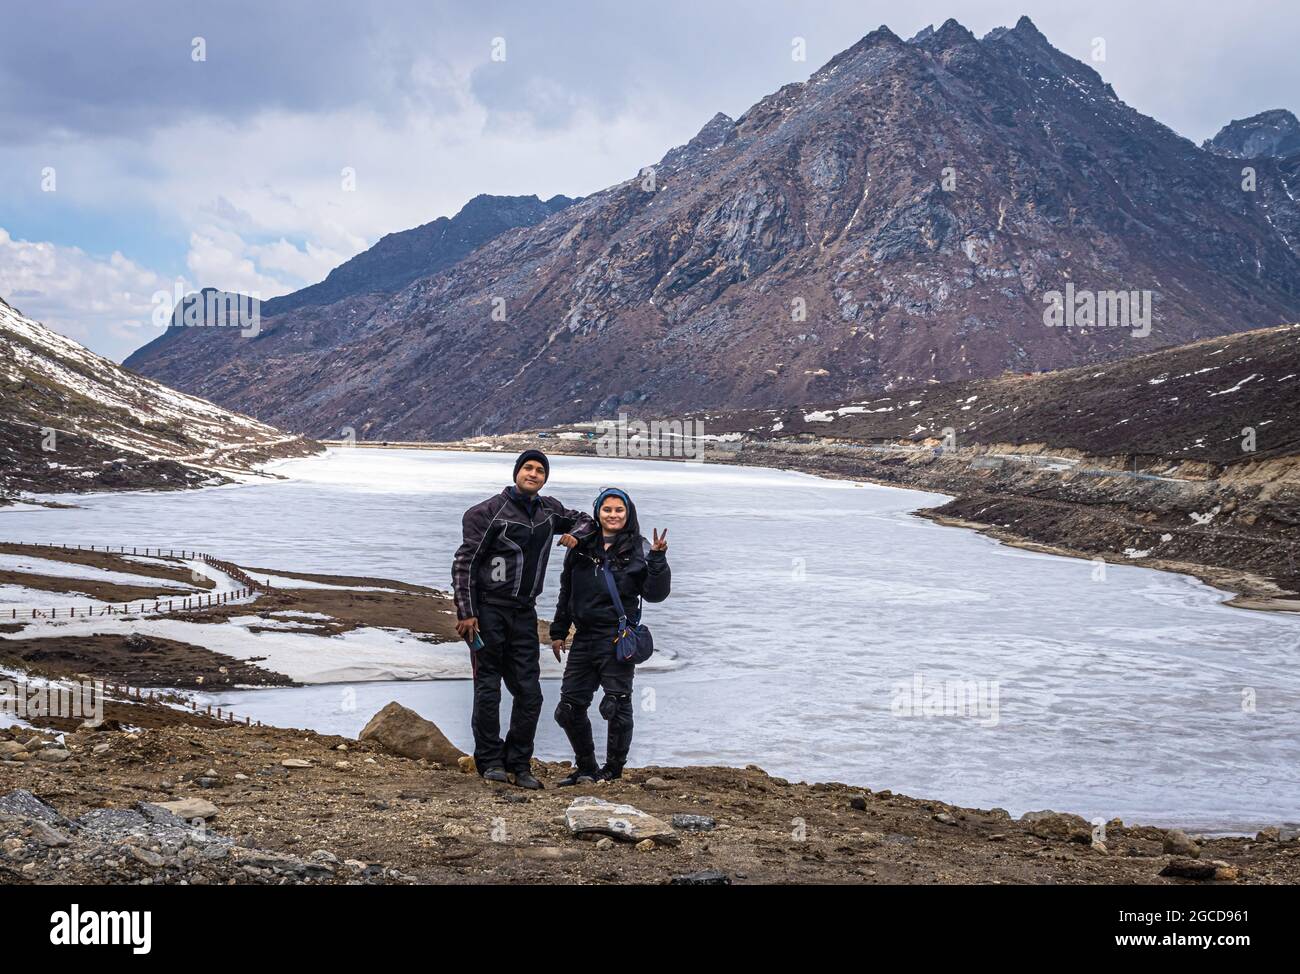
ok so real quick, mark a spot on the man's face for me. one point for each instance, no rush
(531, 477)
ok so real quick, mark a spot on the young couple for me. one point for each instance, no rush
(497, 574)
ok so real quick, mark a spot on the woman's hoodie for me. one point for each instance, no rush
(639, 573)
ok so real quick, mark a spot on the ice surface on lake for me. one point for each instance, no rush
(802, 612)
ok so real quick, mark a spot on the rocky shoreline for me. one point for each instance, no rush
(234, 804)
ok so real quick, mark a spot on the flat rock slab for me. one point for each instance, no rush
(190, 808)
(624, 822)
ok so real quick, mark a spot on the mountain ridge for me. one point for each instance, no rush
(829, 197)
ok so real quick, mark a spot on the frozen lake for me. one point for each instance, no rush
(808, 615)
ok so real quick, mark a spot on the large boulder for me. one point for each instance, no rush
(1048, 824)
(402, 731)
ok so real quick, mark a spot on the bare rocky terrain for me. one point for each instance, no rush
(73, 421)
(286, 806)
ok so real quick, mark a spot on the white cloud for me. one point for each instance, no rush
(104, 303)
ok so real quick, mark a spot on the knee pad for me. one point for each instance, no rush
(566, 714)
(617, 708)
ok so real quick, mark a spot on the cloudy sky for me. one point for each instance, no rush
(127, 162)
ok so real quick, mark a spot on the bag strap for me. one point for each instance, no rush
(617, 599)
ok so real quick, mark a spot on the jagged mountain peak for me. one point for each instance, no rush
(717, 131)
(950, 34)
(1274, 133)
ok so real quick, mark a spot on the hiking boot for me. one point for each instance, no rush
(611, 772)
(496, 774)
(525, 779)
(583, 774)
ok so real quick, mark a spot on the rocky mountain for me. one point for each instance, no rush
(71, 420)
(915, 211)
(1273, 134)
(397, 259)
(400, 258)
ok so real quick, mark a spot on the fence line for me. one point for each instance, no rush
(160, 606)
(151, 696)
(194, 603)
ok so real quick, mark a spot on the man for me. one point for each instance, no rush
(497, 575)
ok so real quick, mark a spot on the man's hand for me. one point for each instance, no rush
(557, 647)
(467, 628)
(567, 540)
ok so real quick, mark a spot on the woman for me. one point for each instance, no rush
(640, 571)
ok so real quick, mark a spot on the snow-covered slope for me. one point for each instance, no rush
(71, 419)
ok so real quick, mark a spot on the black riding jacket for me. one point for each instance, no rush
(506, 544)
(639, 573)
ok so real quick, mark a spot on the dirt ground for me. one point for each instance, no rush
(437, 824)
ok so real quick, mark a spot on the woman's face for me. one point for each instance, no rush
(613, 515)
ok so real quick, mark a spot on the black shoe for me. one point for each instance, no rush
(496, 774)
(580, 776)
(524, 779)
(611, 772)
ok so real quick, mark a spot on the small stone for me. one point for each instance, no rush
(466, 764)
(943, 818)
(694, 823)
(342, 765)
(1189, 869)
(1179, 843)
(190, 808)
(655, 784)
(645, 845)
(146, 856)
(100, 748)
(705, 877)
(604, 844)
(858, 803)
(53, 754)
(48, 836)
(295, 763)
(1225, 873)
